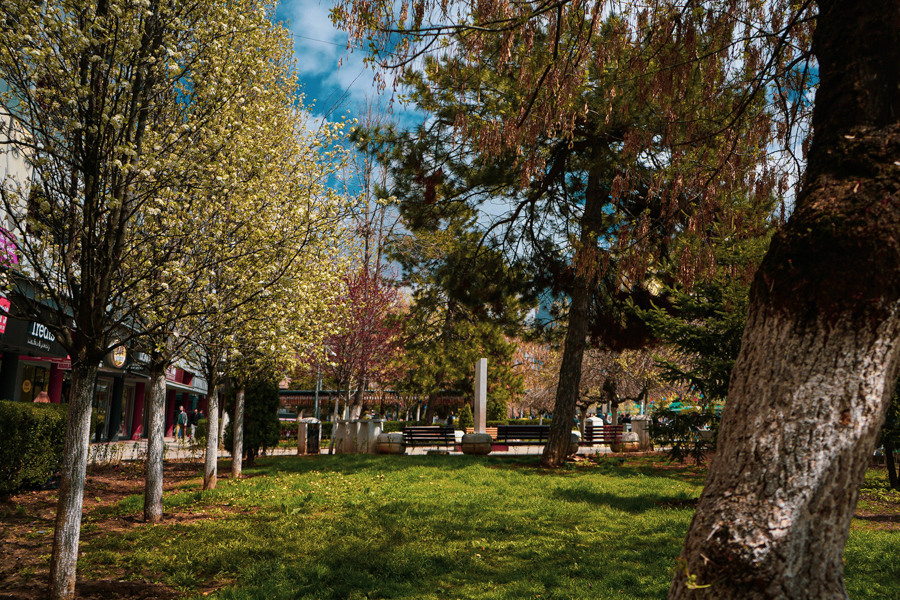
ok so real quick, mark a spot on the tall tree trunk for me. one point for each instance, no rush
(237, 454)
(891, 465)
(586, 269)
(429, 410)
(153, 484)
(210, 470)
(71, 489)
(819, 355)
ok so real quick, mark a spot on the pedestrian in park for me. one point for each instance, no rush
(181, 423)
(450, 420)
(195, 418)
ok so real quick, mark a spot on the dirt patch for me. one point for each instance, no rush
(27, 522)
(877, 513)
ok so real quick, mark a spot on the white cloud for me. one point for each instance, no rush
(335, 80)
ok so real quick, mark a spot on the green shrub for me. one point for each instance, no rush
(496, 423)
(496, 410)
(465, 419)
(288, 430)
(33, 439)
(261, 424)
(681, 432)
(200, 434)
(394, 426)
(528, 422)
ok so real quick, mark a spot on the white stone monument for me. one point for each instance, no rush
(479, 442)
(480, 395)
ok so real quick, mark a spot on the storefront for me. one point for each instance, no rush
(31, 361)
(119, 395)
(184, 388)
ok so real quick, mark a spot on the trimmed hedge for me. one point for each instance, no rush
(528, 422)
(288, 430)
(395, 426)
(33, 437)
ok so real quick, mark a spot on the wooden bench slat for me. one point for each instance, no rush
(522, 435)
(607, 434)
(429, 436)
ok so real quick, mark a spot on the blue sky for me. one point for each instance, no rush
(319, 49)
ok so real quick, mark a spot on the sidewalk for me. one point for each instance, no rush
(174, 450)
(183, 450)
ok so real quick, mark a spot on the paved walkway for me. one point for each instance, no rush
(184, 450)
(175, 450)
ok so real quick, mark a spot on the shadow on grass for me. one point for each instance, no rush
(436, 527)
(629, 504)
(389, 527)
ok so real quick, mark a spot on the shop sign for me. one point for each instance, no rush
(117, 356)
(4, 314)
(140, 362)
(62, 363)
(8, 256)
(40, 336)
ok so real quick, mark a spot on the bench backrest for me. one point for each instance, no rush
(605, 434)
(429, 433)
(491, 431)
(523, 432)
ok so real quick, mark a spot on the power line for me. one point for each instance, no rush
(320, 41)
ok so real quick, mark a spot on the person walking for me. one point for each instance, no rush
(195, 418)
(181, 423)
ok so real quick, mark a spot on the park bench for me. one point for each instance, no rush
(605, 434)
(491, 431)
(429, 436)
(522, 435)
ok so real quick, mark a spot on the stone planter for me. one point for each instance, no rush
(390, 443)
(629, 443)
(573, 443)
(477, 443)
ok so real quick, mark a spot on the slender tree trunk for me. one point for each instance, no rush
(358, 397)
(347, 404)
(237, 454)
(429, 410)
(891, 465)
(819, 355)
(71, 490)
(210, 471)
(153, 484)
(586, 269)
(334, 424)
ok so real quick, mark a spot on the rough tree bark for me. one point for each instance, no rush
(237, 453)
(153, 484)
(71, 490)
(210, 470)
(430, 408)
(818, 361)
(586, 266)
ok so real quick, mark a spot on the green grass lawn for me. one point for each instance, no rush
(350, 527)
